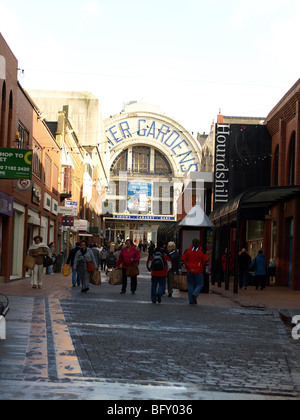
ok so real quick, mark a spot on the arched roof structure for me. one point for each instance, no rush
(143, 125)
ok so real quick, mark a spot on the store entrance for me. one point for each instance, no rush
(138, 233)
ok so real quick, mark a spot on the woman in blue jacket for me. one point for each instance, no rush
(260, 270)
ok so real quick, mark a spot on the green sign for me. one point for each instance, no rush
(15, 163)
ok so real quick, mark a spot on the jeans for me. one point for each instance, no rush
(75, 277)
(159, 282)
(195, 284)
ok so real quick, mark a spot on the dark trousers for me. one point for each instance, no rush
(260, 280)
(124, 281)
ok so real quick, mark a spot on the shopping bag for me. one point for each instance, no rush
(115, 277)
(180, 282)
(96, 278)
(66, 270)
(29, 262)
(132, 271)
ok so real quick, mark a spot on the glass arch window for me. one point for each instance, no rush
(142, 160)
(162, 165)
(120, 163)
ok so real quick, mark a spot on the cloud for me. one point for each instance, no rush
(9, 26)
(245, 10)
(91, 9)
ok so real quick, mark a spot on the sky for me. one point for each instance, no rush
(191, 57)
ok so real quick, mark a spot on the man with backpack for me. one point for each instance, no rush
(159, 264)
(195, 262)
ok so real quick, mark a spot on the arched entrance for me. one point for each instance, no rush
(150, 155)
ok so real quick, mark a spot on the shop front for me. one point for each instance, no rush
(260, 218)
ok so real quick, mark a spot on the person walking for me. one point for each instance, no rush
(129, 257)
(176, 266)
(260, 270)
(103, 255)
(83, 256)
(38, 250)
(53, 252)
(195, 261)
(244, 264)
(70, 261)
(227, 256)
(97, 255)
(159, 264)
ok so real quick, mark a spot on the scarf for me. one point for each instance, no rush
(37, 246)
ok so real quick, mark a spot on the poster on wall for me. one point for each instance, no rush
(139, 197)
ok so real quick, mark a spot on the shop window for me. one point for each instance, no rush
(37, 160)
(23, 137)
(55, 179)
(67, 179)
(47, 174)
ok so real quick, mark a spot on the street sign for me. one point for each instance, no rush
(68, 221)
(15, 163)
(67, 211)
(73, 205)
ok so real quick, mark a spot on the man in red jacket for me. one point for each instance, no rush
(195, 262)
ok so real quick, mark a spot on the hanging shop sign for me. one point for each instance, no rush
(15, 164)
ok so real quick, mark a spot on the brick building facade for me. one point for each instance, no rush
(283, 225)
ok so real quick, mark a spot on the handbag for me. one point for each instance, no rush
(29, 262)
(132, 271)
(47, 261)
(90, 266)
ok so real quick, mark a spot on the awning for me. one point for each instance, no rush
(253, 204)
(81, 233)
(196, 218)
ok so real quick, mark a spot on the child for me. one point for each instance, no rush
(159, 264)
